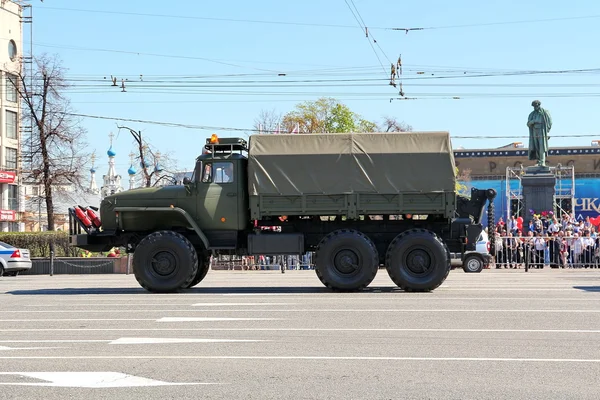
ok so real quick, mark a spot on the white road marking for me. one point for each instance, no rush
(242, 304)
(332, 358)
(76, 319)
(89, 380)
(55, 341)
(4, 348)
(298, 329)
(288, 310)
(407, 297)
(179, 340)
(210, 319)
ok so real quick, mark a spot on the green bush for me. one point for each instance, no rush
(39, 243)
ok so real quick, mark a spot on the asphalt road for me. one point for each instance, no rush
(501, 334)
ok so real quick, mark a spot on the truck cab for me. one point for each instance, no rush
(218, 194)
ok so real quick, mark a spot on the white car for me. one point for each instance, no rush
(13, 260)
(475, 261)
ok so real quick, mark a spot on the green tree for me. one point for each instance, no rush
(326, 115)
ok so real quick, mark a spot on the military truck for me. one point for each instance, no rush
(357, 200)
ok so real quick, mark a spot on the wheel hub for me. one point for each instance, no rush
(164, 263)
(473, 265)
(346, 261)
(419, 262)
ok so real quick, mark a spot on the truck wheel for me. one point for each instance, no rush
(473, 263)
(346, 260)
(165, 261)
(203, 267)
(417, 261)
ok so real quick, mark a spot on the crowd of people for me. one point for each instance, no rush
(549, 241)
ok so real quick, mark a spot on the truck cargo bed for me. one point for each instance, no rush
(351, 174)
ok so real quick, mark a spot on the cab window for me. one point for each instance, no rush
(218, 172)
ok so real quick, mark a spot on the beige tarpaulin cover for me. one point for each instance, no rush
(344, 163)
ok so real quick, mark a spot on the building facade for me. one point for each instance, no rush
(11, 61)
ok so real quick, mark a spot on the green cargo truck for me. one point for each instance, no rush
(358, 201)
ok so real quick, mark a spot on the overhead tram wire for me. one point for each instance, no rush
(215, 128)
(335, 26)
(366, 32)
(369, 33)
(325, 71)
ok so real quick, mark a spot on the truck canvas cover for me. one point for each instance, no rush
(346, 163)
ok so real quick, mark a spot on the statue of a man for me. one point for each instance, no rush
(539, 124)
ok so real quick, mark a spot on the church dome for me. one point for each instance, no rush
(111, 152)
(131, 171)
(93, 170)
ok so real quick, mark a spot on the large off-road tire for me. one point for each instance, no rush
(165, 261)
(203, 267)
(417, 261)
(346, 260)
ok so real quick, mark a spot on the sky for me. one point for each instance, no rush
(207, 65)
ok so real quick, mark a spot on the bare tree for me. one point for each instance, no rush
(154, 165)
(268, 121)
(391, 124)
(55, 148)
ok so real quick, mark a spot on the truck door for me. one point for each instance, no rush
(218, 199)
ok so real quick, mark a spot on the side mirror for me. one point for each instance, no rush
(187, 181)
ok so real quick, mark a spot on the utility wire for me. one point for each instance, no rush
(216, 128)
(482, 24)
(159, 55)
(364, 30)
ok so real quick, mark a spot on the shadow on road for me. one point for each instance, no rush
(210, 290)
(588, 288)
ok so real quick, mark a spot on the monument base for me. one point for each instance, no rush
(539, 188)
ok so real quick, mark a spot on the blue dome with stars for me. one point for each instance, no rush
(131, 171)
(111, 152)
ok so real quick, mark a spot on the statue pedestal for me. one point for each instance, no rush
(539, 188)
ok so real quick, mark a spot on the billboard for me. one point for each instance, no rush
(7, 177)
(587, 195)
(8, 215)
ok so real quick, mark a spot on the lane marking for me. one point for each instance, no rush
(4, 348)
(242, 304)
(164, 319)
(55, 341)
(77, 319)
(408, 297)
(300, 358)
(287, 310)
(179, 340)
(90, 380)
(298, 329)
(209, 319)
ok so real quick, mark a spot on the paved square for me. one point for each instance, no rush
(267, 335)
